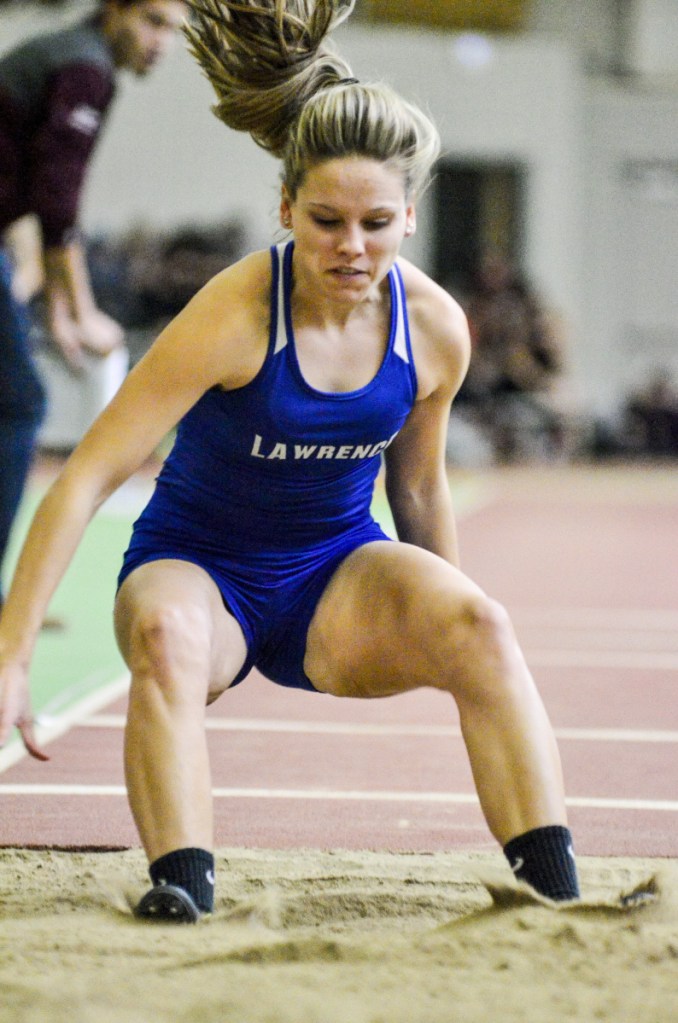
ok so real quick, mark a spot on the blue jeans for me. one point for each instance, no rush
(22, 403)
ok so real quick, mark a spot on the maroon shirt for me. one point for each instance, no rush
(55, 91)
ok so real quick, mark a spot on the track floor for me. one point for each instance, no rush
(586, 560)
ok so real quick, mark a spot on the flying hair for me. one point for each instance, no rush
(276, 77)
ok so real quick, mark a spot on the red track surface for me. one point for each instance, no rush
(587, 563)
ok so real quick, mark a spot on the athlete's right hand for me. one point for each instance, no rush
(15, 707)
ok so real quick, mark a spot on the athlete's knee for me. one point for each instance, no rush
(483, 650)
(488, 622)
(168, 641)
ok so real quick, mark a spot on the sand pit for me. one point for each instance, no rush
(318, 937)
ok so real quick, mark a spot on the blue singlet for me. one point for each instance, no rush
(268, 487)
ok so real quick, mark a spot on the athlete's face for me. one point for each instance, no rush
(142, 33)
(349, 219)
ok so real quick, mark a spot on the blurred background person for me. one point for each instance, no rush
(516, 362)
(55, 92)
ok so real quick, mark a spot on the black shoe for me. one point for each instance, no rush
(168, 904)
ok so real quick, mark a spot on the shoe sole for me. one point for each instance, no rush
(168, 904)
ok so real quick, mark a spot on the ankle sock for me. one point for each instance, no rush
(190, 869)
(544, 858)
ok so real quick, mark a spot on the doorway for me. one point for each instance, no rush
(476, 206)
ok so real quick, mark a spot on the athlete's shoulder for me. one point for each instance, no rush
(245, 282)
(438, 326)
(429, 301)
(226, 324)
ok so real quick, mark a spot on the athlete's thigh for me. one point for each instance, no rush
(179, 602)
(387, 621)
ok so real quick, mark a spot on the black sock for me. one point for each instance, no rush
(190, 869)
(544, 858)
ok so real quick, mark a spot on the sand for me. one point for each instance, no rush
(340, 937)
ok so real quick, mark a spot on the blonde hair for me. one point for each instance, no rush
(276, 77)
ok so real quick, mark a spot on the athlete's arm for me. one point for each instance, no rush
(201, 348)
(416, 478)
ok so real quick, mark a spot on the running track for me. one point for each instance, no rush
(586, 560)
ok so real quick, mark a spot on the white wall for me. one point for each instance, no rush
(652, 37)
(630, 298)
(592, 28)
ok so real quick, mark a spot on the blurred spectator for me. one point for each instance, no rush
(516, 362)
(146, 277)
(187, 259)
(651, 418)
(56, 90)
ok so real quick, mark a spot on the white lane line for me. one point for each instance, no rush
(335, 795)
(593, 802)
(595, 618)
(22, 789)
(426, 731)
(551, 636)
(48, 729)
(623, 659)
(616, 735)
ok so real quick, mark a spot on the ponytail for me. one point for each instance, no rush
(276, 77)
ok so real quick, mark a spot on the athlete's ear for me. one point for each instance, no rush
(410, 220)
(285, 209)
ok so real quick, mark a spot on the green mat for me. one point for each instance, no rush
(73, 662)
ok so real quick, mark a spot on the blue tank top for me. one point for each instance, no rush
(278, 464)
